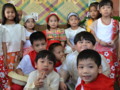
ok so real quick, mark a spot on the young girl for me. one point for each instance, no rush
(29, 24)
(105, 29)
(3, 72)
(58, 51)
(94, 14)
(53, 33)
(73, 21)
(13, 36)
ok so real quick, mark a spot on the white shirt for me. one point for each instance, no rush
(27, 34)
(102, 31)
(51, 82)
(25, 65)
(13, 35)
(1, 37)
(70, 34)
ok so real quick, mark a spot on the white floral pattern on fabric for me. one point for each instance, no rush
(106, 54)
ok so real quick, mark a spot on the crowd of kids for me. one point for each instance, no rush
(75, 58)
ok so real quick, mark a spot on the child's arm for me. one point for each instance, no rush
(20, 53)
(34, 81)
(4, 47)
(63, 43)
(19, 71)
(114, 40)
(22, 65)
(98, 40)
(69, 43)
(27, 38)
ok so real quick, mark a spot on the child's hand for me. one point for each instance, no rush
(63, 86)
(63, 58)
(111, 43)
(103, 43)
(73, 48)
(40, 81)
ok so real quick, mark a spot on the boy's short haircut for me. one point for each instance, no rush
(46, 54)
(105, 2)
(37, 36)
(52, 46)
(84, 36)
(89, 54)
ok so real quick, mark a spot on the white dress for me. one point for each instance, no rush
(70, 34)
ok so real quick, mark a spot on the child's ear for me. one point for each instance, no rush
(100, 69)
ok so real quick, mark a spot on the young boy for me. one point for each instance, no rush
(44, 78)
(89, 69)
(83, 40)
(27, 65)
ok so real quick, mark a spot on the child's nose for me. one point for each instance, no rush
(85, 70)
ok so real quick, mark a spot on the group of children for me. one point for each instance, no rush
(75, 58)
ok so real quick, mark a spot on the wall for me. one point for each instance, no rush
(44, 7)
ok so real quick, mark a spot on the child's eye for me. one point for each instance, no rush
(42, 61)
(90, 66)
(37, 45)
(50, 62)
(81, 67)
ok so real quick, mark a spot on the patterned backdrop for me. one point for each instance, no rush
(42, 8)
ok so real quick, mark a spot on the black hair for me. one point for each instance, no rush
(46, 54)
(89, 54)
(48, 26)
(9, 5)
(52, 46)
(37, 36)
(84, 36)
(68, 25)
(105, 2)
(95, 4)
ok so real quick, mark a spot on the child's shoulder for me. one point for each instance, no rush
(54, 74)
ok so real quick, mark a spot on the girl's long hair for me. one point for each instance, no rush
(9, 5)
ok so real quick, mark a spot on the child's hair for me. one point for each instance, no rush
(9, 5)
(37, 36)
(105, 2)
(84, 36)
(26, 19)
(46, 54)
(89, 54)
(48, 17)
(72, 14)
(95, 4)
(53, 46)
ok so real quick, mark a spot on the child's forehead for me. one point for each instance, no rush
(86, 61)
(44, 59)
(39, 41)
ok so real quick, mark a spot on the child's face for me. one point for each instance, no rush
(58, 52)
(44, 65)
(73, 21)
(88, 70)
(9, 13)
(84, 44)
(39, 45)
(53, 22)
(30, 23)
(106, 10)
(93, 12)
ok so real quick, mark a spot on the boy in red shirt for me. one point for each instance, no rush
(89, 69)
